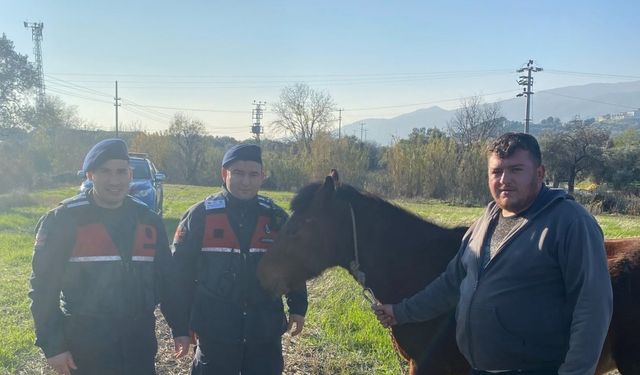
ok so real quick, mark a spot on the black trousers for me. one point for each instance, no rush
(112, 347)
(515, 372)
(223, 358)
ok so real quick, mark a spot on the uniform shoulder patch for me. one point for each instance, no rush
(76, 201)
(137, 201)
(215, 202)
(266, 202)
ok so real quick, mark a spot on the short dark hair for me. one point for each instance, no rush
(508, 143)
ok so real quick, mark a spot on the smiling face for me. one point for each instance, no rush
(514, 181)
(110, 182)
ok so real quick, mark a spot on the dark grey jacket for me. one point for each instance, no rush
(543, 302)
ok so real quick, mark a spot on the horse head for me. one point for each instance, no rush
(310, 241)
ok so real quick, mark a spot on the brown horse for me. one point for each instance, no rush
(396, 253)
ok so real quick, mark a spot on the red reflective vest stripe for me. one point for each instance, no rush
(219, 237)
(144, 247)
(94, 244)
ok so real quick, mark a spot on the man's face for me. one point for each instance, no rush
(243, 178)
(515, 181)
(110, 182)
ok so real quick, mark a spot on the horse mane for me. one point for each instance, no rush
(302, 201)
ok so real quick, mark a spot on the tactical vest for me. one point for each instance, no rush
(220, 238)
(93, 244)
(98, 281)
(229, 303)
(225, 270)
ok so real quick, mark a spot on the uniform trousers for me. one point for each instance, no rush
(228, 358)
(104, 346)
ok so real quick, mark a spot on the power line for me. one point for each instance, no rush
(239, 84)
(131, 103)
(587, 100)
(67, 93)
(64, 91)
(568, 72)
(79, 87)
(288, 76)
(423, 103)
(145, 115)
(189, 109)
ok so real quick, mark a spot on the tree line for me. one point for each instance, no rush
(41, 147)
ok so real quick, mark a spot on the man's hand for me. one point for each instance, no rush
(385, 315)
(62, 363)
(181, 344)
(298, 320)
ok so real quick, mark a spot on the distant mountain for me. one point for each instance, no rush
(587, 101)
(565, 103)
(382, 131)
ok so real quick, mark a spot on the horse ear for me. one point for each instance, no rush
(329, 184)
(326, 192)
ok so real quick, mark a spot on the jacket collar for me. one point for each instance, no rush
(546, 197)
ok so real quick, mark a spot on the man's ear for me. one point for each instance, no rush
(223, 175)
(541, 172)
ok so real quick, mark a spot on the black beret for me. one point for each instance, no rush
(104, 150)
(242, 152)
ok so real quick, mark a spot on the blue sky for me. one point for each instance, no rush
(212, 59)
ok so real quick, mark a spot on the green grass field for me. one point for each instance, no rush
(341, 335)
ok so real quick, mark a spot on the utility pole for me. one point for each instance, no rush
(36, 35)
(256, 116)
(117, 104)
(527, 81)
(340, 122)
(361, 130)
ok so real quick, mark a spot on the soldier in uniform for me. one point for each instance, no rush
(217, 247)
(100, 266)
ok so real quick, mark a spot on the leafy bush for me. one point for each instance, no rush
(605, 201)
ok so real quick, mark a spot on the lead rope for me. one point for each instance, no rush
(361, 278)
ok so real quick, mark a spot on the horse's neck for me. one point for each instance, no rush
(402, 256)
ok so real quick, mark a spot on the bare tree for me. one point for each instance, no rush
(475, 121)
(303, 112)
(189, 139)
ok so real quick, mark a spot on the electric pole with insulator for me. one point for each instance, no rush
(256, 117)
(36, 35)
(117, 104)
(527, 82)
